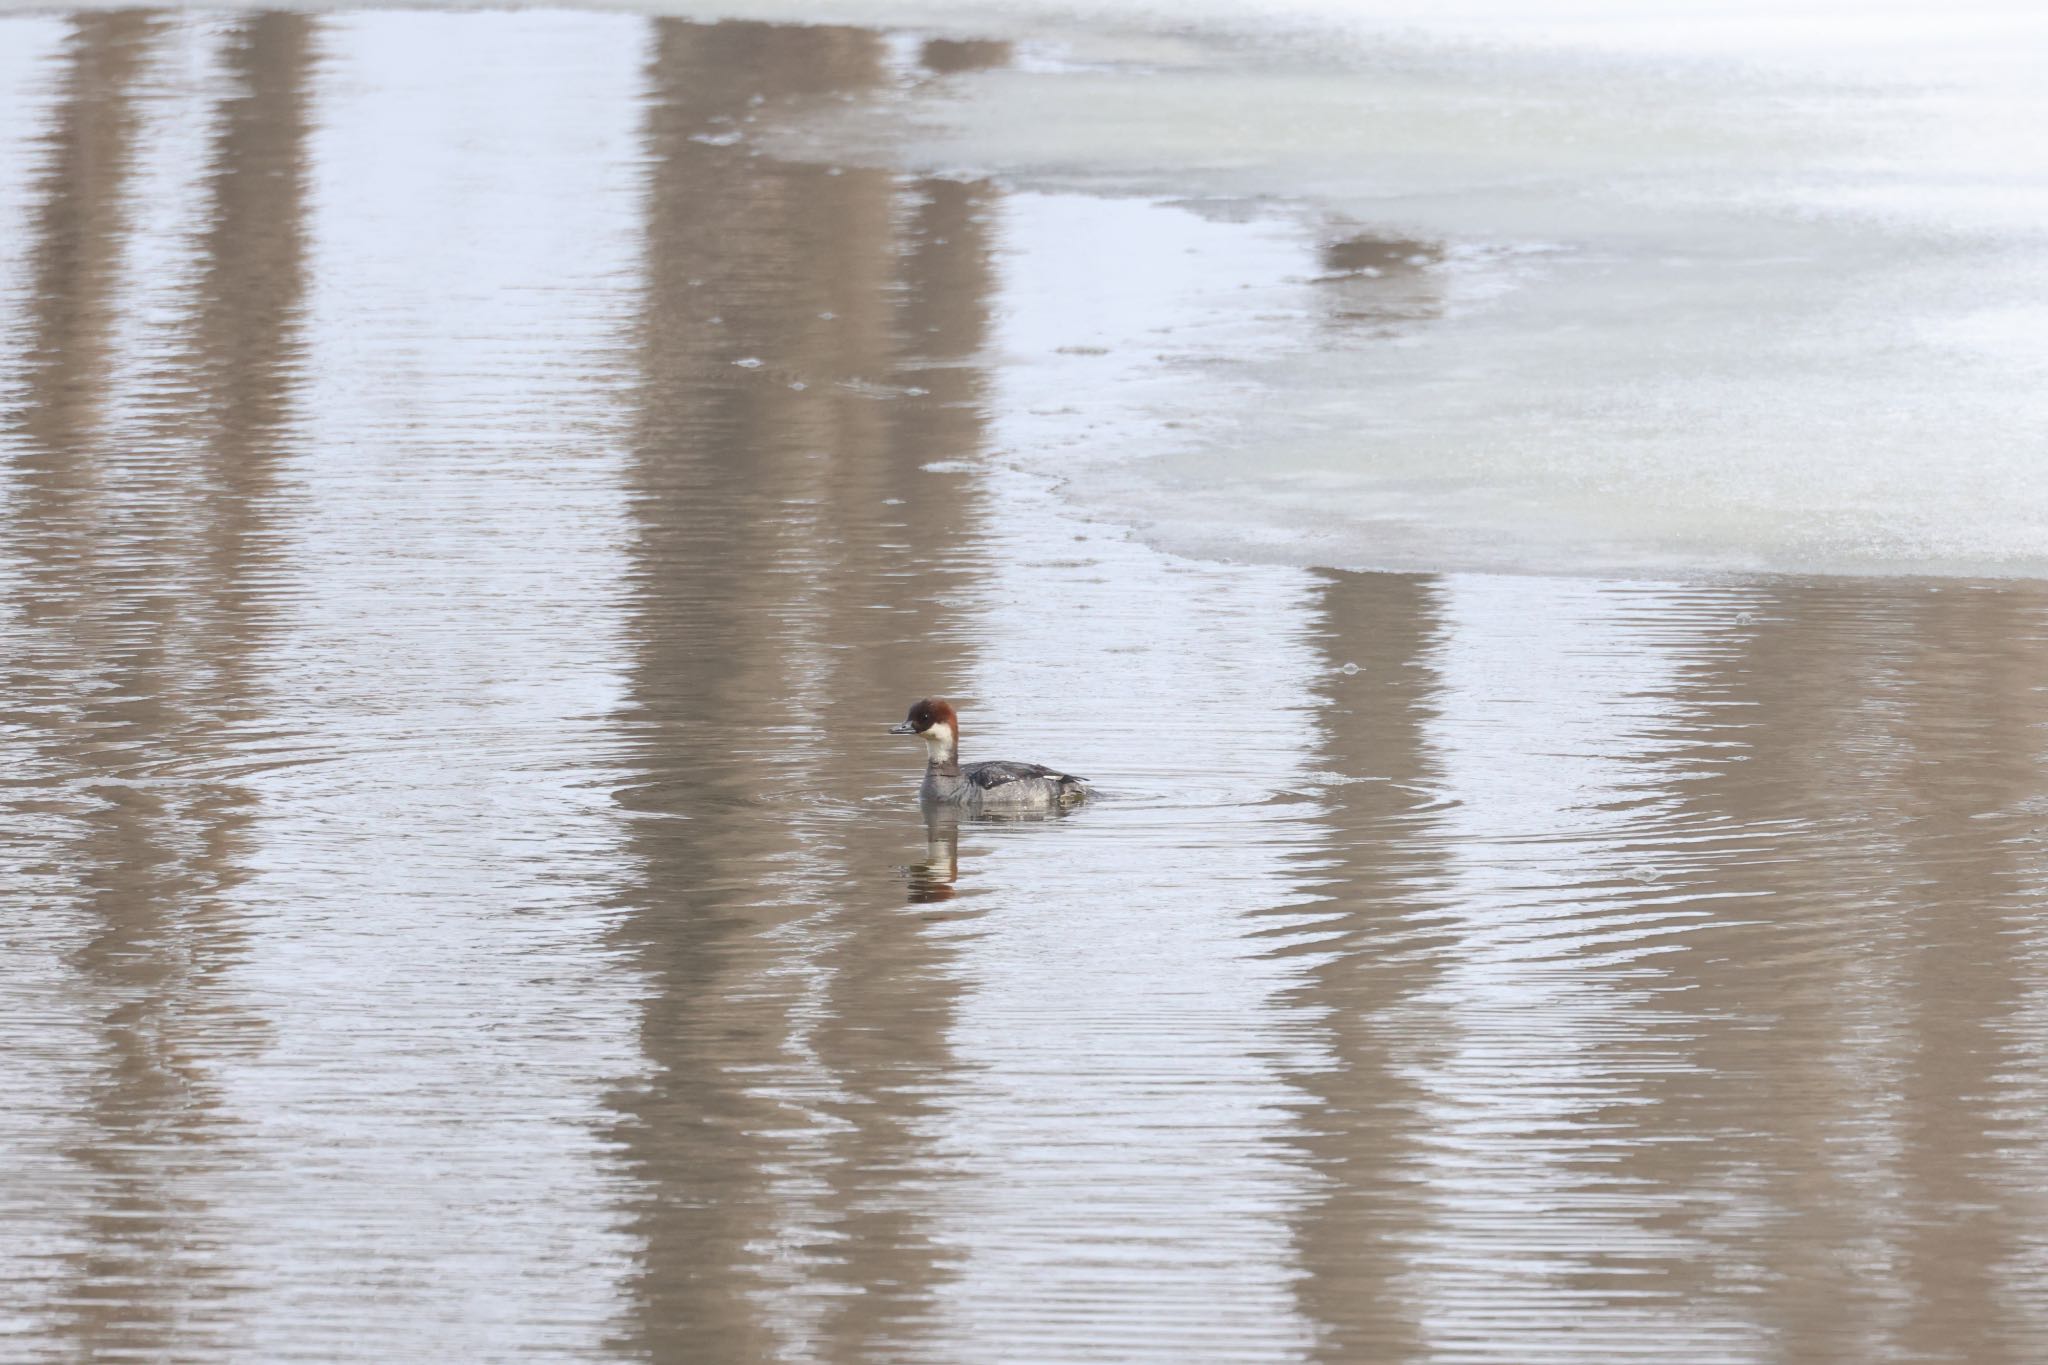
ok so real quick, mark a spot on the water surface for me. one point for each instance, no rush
(469, 509)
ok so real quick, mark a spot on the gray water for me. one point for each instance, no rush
(468, 515)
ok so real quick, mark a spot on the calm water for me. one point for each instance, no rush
(467, 515)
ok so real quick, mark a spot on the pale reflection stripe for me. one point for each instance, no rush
(445, 1016)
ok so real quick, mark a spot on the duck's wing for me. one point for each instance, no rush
(989, 776)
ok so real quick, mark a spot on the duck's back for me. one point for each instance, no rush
(1003, 784)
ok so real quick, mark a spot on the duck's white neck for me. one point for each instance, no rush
(941, 748)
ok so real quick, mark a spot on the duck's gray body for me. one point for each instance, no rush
(999, 786)
(1010, 787)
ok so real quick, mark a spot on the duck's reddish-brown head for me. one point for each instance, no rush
(934, 721)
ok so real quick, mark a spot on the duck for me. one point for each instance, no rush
(975, 787)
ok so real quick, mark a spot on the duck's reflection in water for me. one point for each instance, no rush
(937, 878)
(933, 880)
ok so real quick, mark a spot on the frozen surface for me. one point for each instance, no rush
(1760, 288)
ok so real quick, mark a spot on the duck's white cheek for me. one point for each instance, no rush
(938, 740)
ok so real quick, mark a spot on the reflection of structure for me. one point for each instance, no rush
(1366, 1126)
(954, 56)
(1972, 804)
(78, 233)
(1373, 280)
(802, 357)
(140, 539)
(1767, 926)
(1862, 824)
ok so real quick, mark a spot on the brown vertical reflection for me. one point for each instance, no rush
(77, 232)
(246, 358)
(1844, 1130)
(1973, 715)
(1373, 950)
(137, 546)
(891, 997)
(1743, 1131)
(248, 350)
(956, 56)
(805, 351)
